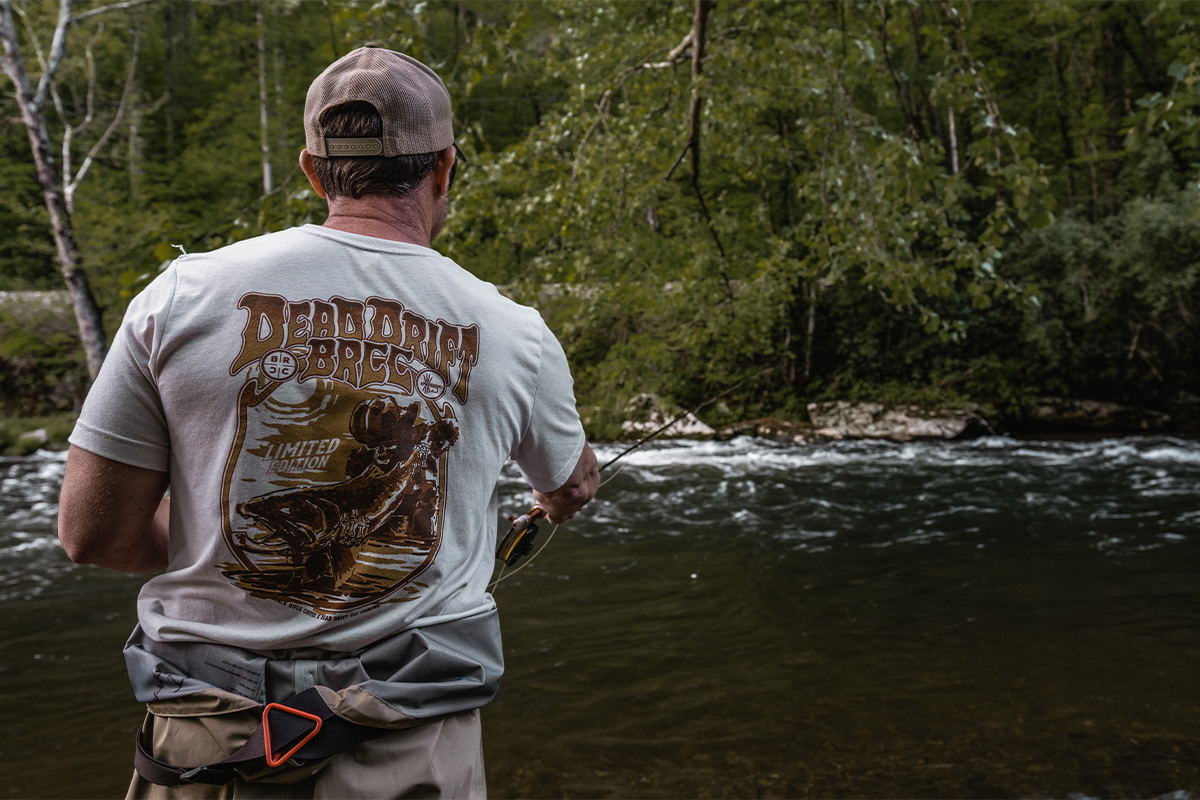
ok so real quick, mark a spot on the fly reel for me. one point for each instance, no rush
(518, 542)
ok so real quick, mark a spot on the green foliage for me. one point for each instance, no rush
(26, 249)
(56, 427)
(1116, 319)
(809, 178)
(915, 201)
(42, 368)
(185, 172)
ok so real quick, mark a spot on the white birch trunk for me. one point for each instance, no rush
(953, 145)
(263, 115)
(32, 103)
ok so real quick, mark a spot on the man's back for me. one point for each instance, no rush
(336, 409)
(331, 407)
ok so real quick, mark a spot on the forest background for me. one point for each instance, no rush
(939, 202)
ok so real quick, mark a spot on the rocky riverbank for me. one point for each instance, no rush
(23, 435)
(830, 421)
(833, 421)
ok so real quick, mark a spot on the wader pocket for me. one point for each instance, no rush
(209, 727)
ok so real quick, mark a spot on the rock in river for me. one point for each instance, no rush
(649, 415)
(895, 422)
(1065, 414)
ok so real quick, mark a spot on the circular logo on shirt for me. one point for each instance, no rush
(431, 385)
(279, 365)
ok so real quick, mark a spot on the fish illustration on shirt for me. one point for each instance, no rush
(387, 498)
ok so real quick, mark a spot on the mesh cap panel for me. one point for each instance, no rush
(409, 96)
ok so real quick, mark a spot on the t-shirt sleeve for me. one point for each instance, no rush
(122, 418)
(554, 439)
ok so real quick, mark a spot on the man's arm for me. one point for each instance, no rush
(562, 503)
(113, 514)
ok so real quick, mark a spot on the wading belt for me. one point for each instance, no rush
(411, 677)
(303, 728)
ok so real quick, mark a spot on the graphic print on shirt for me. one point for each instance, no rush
(333, 491)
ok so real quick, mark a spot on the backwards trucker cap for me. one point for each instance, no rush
(409, 96)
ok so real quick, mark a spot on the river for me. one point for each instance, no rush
(990, 618)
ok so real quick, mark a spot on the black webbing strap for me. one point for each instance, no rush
(286, 730)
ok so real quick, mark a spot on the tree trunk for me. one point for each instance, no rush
(1083, 88)
(699, 36)
(1063, 110)
(953, 143)
(263, 114)
(169, 33)
(810, 329)
(136, 171)
(933, 120)
(789, 359)
(699, 31)
(1114, 105)
(33, 114)
(904, 90)
(281, 135)
(332, 34)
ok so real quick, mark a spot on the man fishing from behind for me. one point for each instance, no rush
(331, 407)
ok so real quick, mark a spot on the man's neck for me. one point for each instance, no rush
(381, 218)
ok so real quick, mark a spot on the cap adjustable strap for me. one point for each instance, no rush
(368, 146)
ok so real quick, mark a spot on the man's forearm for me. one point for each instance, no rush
(132, 551)
(562, 503)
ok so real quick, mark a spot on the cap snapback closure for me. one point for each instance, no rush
(354, 147)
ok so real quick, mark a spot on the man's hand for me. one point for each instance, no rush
(113, 514)
(577, 492)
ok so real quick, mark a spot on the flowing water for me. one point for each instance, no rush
(993, 618)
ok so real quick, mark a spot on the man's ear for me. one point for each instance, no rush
(441, 171)
(310, 171)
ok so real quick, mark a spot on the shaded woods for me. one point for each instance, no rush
(933, 202)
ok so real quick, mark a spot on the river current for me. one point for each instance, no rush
(989, 618)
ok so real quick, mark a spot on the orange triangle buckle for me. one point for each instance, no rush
(274, 759)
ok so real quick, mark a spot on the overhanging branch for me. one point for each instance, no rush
(126, 93)
(57, 49)
(92, 12)
(675, 56)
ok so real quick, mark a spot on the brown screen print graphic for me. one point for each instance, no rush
(333, 490)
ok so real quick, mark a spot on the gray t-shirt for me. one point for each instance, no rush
(334, 411)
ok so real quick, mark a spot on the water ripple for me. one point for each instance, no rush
(1109, 495)
(1114, 496)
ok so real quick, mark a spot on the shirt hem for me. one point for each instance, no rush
(118, 448)
(180, 636)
